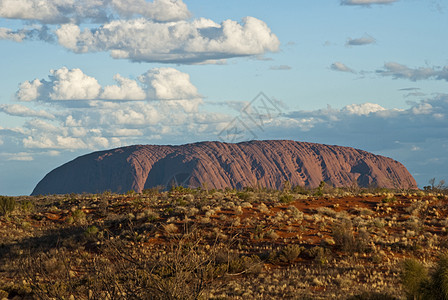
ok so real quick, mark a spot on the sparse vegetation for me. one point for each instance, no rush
(208, 244)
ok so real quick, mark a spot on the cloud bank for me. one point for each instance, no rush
(399, 71)
(138, 30)
(72, 84)
(163, 106)
(95, 11)
(175, 42)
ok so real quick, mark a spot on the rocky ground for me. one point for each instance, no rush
(186, 244)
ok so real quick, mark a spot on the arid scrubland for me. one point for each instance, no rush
(295, 243)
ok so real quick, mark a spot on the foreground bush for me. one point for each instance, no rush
(7, 205)
(417, 284)
(414, 277)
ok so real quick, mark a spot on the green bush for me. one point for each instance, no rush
(246, 264)
(300, 190)
(319, 254)
(347, 241)
(439, 279)
(286, 198)
(289, 253)
(91, 232)
(413, 277)
(342, 234)
(7, 205)
(27, 206)
(79, 216)
(417, 284)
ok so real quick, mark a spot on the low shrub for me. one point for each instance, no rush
(289, 253)
(286, 198)
(347, 241)
(7, 205)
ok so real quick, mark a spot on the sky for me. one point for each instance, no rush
(78, 76)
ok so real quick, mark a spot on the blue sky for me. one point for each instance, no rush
(81, 76)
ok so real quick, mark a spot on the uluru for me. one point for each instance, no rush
(224, 165)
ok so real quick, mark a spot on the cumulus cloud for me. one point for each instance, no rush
(73, 84)
(176, 42)
(69, 11)
(422, 109)
(160, 10)
(64, 84)
(365, 40)
(29, 90)
(169, 84)
(366, 2)
(126, 89)
(374, 128)
(362, 109)
(399, 71)
(162, 101)
(338, 66)
(139, 30)
(35, 32)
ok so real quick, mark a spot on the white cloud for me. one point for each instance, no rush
(422, 109)
(126, 132)
(48, 141)
(44, 126)
(23, 111)
(169, 84)
(29, 90)
(162, 101)
(160, 10)
(8, 34)
(198, 41)
(53, 153)
(126, 89)
(72, 84)
(70, 11)
(362, 109)
(366, 2)
(138, 30)
(338, 66)
(22, 156)
(372, 127)
(399, 71)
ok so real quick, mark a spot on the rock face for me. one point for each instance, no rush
(220, 165)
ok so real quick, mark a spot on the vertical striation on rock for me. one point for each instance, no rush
(220, 165)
